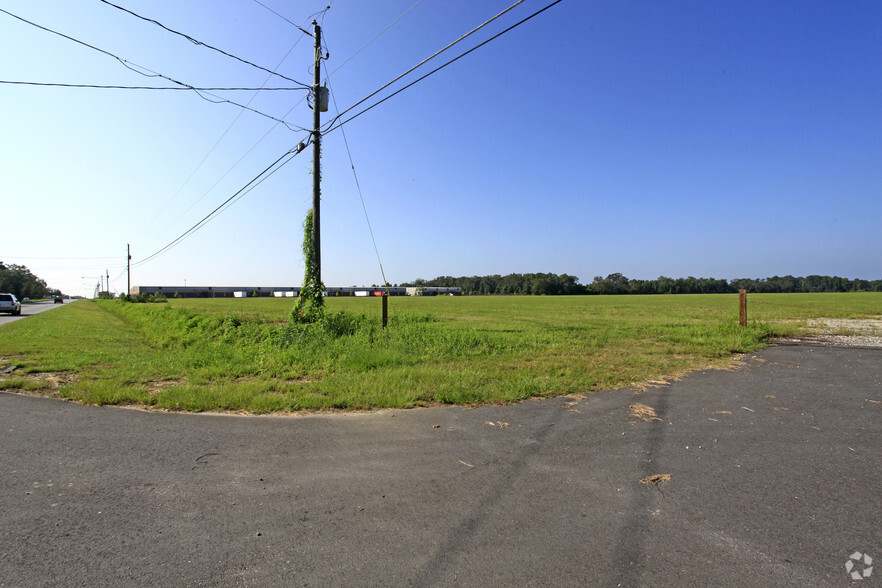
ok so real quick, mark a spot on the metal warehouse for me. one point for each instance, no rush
(284, 291)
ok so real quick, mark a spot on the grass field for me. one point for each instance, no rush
(243, 355)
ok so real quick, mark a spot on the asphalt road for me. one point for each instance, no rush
(28, 309)
(775, 475)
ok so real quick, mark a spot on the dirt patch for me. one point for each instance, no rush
(53, 380)
(157, 386)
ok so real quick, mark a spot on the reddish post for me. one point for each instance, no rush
(742, 308)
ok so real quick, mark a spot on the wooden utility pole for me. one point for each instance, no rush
(316, 156)
(128, 269)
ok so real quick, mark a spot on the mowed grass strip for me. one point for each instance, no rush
(244, 355)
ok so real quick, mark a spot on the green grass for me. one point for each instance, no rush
(243, 355)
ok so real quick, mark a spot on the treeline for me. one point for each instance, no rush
(18, 280)
(554, 284)
(511, 284)
(619, 284)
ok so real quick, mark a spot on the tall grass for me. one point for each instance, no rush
(243, 354)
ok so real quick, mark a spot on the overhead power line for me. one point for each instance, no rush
(132, 66)
(358, 187)
(254, 182)
(218, 142)
(375, 37)
(206, 45)
(321, 12)
(439, 68)
(106, 87)
(58, 258)
(295, 25)
(435, 54)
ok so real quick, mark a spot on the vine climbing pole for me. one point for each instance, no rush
(311, 305)
(316, 156)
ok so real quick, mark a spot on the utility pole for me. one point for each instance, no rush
(128, 269)
(108, 281)
(316, 155)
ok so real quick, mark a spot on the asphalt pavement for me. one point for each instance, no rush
(28, 309)
(769, 474)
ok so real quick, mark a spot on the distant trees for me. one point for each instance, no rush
(524, 284)
(18, 280)
(553, 284)
(811, 283)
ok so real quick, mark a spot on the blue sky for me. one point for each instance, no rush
(725, 139)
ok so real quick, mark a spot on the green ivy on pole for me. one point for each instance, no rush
(311, 306)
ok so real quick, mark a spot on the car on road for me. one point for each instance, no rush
(58, 300)
(9, 303)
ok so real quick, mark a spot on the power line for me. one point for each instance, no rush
(375, 37)
(197, 42)
(224, 134)
(321, 12)
(439, 52)
(254, 182)
(218, 142)
(132, 66)
(79, 268)
(358, 187)
(296, 26)
(457, 58)
(58, 258)
(104, 87)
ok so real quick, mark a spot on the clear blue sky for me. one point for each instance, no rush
(712, 139)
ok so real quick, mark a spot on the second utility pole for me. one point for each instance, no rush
(316, 155)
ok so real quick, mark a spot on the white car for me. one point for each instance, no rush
(8, 303)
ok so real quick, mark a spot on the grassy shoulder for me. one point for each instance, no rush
(244, 355)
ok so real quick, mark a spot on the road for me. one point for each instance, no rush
(775, 469)
(29, 309)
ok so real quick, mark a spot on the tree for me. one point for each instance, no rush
(19, 281)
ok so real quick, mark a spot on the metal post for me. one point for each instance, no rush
(316, 155)
(385, 309)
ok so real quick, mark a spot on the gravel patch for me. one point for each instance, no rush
(842, 332)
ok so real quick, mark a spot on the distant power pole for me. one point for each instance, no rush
(316, 155)
(128, 269)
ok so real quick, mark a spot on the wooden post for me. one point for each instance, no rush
(742, 308)
(385, 309)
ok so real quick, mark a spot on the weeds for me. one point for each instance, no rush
(245, 355)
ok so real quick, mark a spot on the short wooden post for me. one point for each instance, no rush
(742, 308)
(385, 309)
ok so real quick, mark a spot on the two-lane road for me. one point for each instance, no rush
(29, 309)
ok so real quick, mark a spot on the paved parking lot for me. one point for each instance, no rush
(765, 475)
